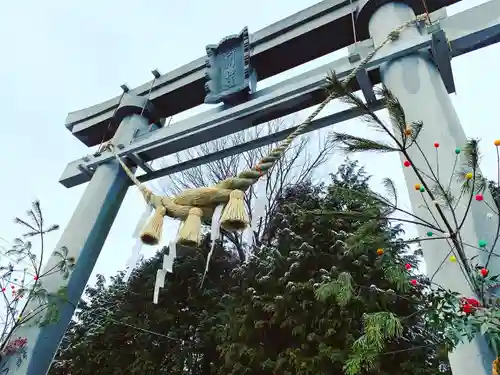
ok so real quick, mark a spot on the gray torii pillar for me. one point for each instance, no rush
(416, 82)
(84, 237)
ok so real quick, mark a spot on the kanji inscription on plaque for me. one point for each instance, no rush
(230, 78)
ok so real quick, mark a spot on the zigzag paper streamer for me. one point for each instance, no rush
(134, 258)
(259, 212)
(168, 264)
(142, 220)
(214, 234)
(136, 250)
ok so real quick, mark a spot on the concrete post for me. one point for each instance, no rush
(416, 82)
(84, 237)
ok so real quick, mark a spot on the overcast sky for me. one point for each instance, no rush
(60, 56)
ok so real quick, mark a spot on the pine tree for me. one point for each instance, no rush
(458, 318)
(119, 330)
(298, 306)
(320, 298)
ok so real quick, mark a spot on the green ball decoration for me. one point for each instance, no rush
(457, 150)
(429, 234)
(482, 243)
(422, 189)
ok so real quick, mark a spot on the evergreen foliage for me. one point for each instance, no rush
(168, 337)
(332, 289)
(320, 300)
(317, 298)
(458, 318)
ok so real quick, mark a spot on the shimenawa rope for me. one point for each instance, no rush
(194, 205)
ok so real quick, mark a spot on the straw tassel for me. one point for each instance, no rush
(151, 234)
(495, 366)
(190, 232)
(235, 217)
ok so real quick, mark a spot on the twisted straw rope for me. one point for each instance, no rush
(207, 198)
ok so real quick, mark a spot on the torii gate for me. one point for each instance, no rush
(416, 68)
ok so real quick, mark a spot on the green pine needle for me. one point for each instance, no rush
(396, 112)
(350, 143)
(479, 183)
(341, 289)
(397, 276)
(347, 215)
(443, 195)
(416, 128)
(341, 91)
(382, 325)
(378, 327)
(471, 153)
(390, 187)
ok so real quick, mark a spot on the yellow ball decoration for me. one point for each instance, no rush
(453, 259)
(497, 142)
(417, 186)
(468, 176)
(380, 251)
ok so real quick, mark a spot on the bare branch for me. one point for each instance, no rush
(296, 166)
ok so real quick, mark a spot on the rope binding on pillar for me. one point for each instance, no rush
(194, 206)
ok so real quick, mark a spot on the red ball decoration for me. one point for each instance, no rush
(484, 272)
(479, 197)
(3, 289)
(406, 163)
(407, 266)
(35, 278)
(436, 145)
(12, 286)
(413, 282)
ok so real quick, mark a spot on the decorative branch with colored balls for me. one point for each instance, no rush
(24, 299)
(445, 206)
